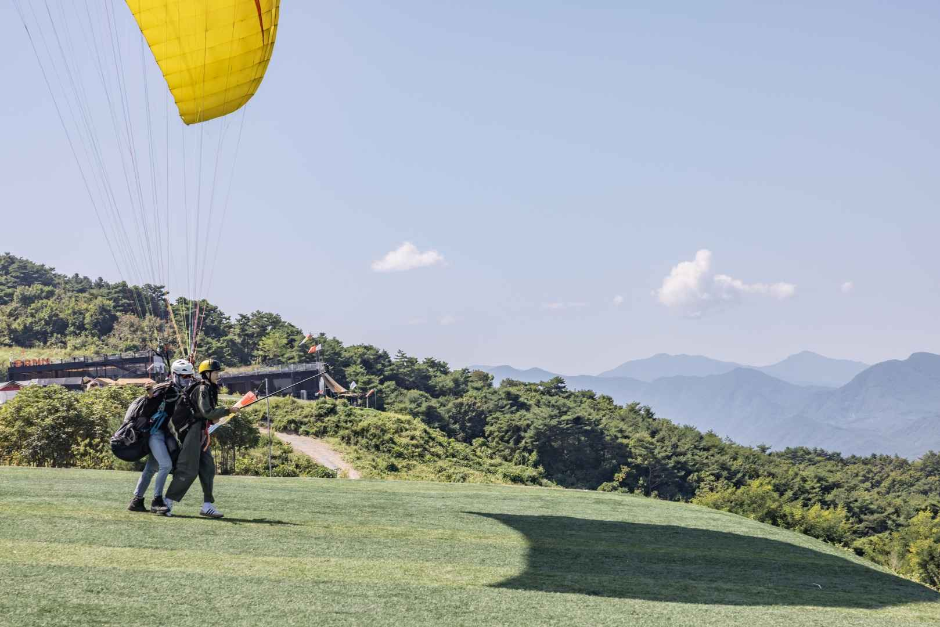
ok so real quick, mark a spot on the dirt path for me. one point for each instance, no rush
(318, 450)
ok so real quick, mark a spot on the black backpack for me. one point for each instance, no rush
(146, 413)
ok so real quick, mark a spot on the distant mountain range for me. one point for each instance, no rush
(804, 368)
(892, 407)
(663, 365)
(808, 368)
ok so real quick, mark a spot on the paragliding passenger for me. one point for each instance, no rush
(159, 462)
(191, 422)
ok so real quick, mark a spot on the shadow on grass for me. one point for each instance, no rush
(239, 521)
(679, 564)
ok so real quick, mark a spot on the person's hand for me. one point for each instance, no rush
(234, 409)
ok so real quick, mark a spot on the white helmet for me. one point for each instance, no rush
(181, 367)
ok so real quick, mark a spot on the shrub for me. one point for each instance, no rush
(238, 434)
(925, 561)
(831, 525)
(913, 550)
(759, 501)
(286, 414)
(756, 500)
(104, 406)
(42, 426)
(108, 405)
(394, 445)
(285, 463)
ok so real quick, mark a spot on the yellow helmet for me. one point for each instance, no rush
(210, 365)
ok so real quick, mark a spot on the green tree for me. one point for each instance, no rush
(409, 373)
(16, 272)
(41, 425)
(372, 361)
(131, 333)
(466, 416)
(274, 347)
(652, 465)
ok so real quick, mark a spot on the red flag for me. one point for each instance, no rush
(314, 349)
(306, 339)
(371, 392)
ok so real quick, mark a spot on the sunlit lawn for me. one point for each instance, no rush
(334, 552)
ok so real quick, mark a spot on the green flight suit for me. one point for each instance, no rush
(195, 458)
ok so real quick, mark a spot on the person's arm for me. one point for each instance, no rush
(204, 408)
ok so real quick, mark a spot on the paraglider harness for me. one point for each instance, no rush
(188, 414)
(147, 414)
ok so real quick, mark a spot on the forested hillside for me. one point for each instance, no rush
(41, 309)
(884, 507)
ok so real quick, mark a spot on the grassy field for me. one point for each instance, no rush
(334, 552)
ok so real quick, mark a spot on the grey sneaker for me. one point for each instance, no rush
(209, 511)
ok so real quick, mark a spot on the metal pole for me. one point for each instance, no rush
(267, 410)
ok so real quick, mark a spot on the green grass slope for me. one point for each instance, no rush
(328, 552)
(386, 445)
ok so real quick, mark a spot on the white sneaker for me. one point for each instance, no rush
(209, 511)
(169, 507)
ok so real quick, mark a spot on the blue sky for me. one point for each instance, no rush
(555, 157)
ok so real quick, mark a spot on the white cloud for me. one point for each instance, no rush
(848, 286)
(782, 291)
(729, 288)
(618, 300)
(557, 306)
(687, 282)
(407, 257)
(417, 321)
(448, 320)
(694, 288)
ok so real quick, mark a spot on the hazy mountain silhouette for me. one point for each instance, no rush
(532, 375)
(805, 368)
(663, 365)
(892, 407)
(809, 368)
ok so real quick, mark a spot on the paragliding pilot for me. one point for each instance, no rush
(191, 422)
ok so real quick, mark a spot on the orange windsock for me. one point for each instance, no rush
(247, 399)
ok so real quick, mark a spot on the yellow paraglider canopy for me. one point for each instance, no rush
(213, 53)
(160, 197)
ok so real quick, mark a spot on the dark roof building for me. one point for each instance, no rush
(139, 365)
(275, 378)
